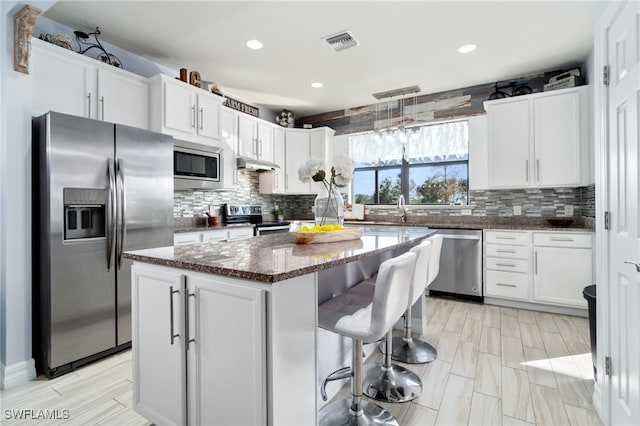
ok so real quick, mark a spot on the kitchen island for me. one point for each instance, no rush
(226, 332)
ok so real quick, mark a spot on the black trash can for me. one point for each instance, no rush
(589, 294)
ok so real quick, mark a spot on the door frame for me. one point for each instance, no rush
(601, 390)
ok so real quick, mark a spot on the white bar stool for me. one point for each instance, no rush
(364, 318)
(405, 348)
(386, 381)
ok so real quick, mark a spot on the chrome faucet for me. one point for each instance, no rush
(401, 207)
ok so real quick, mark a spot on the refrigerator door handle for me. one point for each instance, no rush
(111, 221)
(123, 208)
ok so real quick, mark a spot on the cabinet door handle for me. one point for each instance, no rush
(172, 331)
(89, 104)
(535, 262)
(286, 182)
(260, 151)
(538, 169)
(511, 265)
(201, 117)
(187, 328)
(275, 179)
(506, 285)
(561, 239)
(505, 238)
(505, 251)
(102, 106)
(193, 116)
(636, 264)
(526, 168)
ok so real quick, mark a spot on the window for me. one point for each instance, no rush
(430, 166)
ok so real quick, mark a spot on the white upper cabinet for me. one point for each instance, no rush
(67, 82)
(539, 140)
(255, 138)
(229, 145)
(274, 182)
(184, 111)
(296, 153)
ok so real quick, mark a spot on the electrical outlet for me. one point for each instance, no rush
(517, 210)
(465, 212)
(568, 210)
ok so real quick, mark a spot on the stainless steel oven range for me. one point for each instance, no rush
(242, 214)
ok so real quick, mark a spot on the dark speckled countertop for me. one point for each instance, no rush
(272, 258)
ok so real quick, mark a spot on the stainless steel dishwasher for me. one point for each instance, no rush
(460, 264)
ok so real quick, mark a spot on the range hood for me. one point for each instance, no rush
(246, 163)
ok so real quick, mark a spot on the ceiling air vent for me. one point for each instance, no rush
(341, 41)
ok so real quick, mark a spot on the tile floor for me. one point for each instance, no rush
(495, 366)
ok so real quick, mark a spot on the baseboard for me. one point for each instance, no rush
(17, 374)
(578, 312)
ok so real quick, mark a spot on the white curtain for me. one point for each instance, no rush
(430, 144)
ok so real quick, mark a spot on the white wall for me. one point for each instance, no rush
(15, 207)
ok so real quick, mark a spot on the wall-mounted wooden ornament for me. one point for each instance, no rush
(23, 23)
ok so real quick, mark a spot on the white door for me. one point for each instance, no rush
(623, 237)
(209, 117)
(179, 107)
(296, 153)
(279, 159)
(228, 133)
(265, 138)
(247, 143)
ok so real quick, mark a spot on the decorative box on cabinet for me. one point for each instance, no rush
(180, 375)
(184, 111)
(539, 140)
(67, 82)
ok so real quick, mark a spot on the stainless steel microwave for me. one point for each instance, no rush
(196, 166)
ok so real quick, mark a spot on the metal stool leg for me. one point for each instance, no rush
(356, 411)
(389, 382)
(410, 350)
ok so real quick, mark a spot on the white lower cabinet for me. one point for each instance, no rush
(199, 349)
(562, 267)
(232, 233)
(550, 268)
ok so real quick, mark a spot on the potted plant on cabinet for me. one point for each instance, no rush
(280, 212)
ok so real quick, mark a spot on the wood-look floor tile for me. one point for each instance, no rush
(471, 331)
(526, 316)
(491, 341)
(568, 329)
(546, 322)
(579, 416)
(492, 316)
(516, 396)
(570, 384)
(417, 415)
(485, 410)
(585, 333)
(580, 321)
(432, 332)
(539, 367)
(125, 417)
(512, 353)
(441, 315)
(554, 345)
(509, 326)
(577, 348)
(397, 410)
(455, 323)
(475, 311)
(548, 406)
(488, 379)
(510, 421)
(531, 336)
(466, 358)
(456, 402)
(447, 345)
(512, 312)
(106, 409)
(433, 384)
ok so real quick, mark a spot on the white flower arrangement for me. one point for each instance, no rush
(285, 118)
(341, 172)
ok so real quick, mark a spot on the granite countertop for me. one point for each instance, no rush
(276, 257)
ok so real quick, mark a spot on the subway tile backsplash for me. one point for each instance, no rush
(490, 203)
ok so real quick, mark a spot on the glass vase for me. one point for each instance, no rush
(329, 207)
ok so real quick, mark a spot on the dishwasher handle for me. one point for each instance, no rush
(459, 237)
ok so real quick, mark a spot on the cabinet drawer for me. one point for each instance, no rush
(214, 235)
(508, 252)
(507, 284)
(186, 238)
(563, 239)
(509, 265)
(500, 237)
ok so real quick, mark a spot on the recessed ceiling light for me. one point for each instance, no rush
(316, 84)
(467, 48)
(254, 44)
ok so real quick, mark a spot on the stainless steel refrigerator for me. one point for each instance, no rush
(98, 189)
